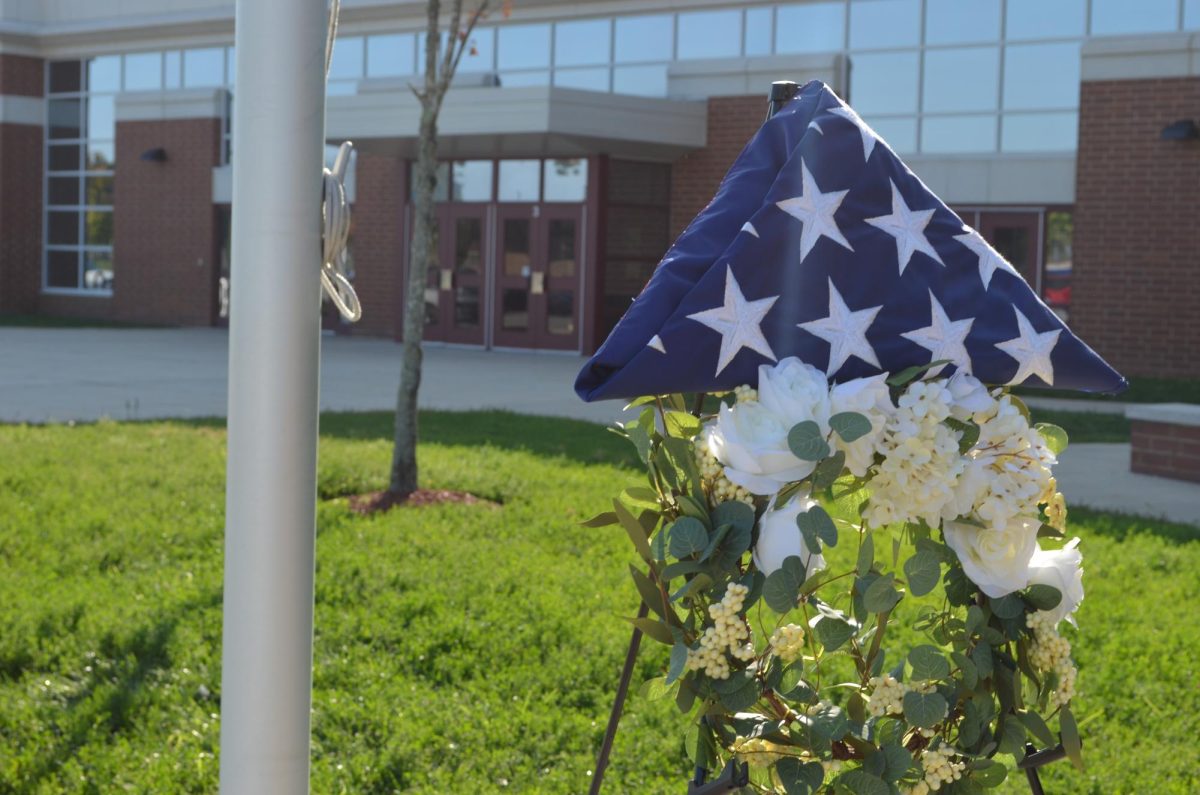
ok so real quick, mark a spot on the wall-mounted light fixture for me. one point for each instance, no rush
(156, 155)
(1183, 130)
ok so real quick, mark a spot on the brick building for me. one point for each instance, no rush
(580, 138)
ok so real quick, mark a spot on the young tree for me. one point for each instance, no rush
(440, 65)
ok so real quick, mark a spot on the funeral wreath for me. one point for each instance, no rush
(863, 585)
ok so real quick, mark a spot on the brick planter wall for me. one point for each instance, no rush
(1165, 440)
(377, 242)
(20, 191)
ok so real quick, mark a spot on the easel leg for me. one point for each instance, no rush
(610, 733)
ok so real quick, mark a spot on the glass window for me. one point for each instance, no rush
(1123, 16)
(1039, 132)
(519, 180)
(64, 76)
(64, 118)
(390, 56)
(647, 38)
(98, 228)
(961, 21)
(104, 74)
(566, 180)
(62, 269)
(709, 34)
(584, 43)
(472, 180)
(900, 134)
(468, 245)
(1041, 76)
(518, 259)
(524, 46)
(204, 68)
(810, 27)
(341, 88)
(230, 66)
(98, 190)
(588, 78)
(884, 82)
(1056, 283)
(884, 23)
(757, 35)
(647, 81)
(518, 79)
(62, 228)
(480, 54)
(100, 156)
(172, 70)
(1191, 14)
(958, 134)
(1038, 19)
(347, 62)
(62, 190)
(97, 270)
(65, 158)
(961, 79)
(100, 122)
(421, 50)
(143, 71)
(561, 244)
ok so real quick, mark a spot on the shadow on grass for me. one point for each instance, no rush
(1122, 526)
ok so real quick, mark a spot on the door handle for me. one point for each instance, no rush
(446, 279)
(537, 284)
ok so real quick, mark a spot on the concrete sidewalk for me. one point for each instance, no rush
(49, 375)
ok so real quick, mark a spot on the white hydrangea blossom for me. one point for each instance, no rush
(729, 633)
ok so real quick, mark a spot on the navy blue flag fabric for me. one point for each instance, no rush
(821, 244)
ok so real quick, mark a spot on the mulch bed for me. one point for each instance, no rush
(380, 501)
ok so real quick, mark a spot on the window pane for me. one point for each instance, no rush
(560, 312)
(143, 71)
(64, 119)
(514, 312)
(230, 66)
(1191, 14)
(517, 258)
(961, 79)
(472, 181)
(524, 46)
(954, 134)
(758, 31)
(421, 50)
(647, 38)
(347, 62)
(98, 190)
(62, 190)
(1123, 16)
(98, 228)
(1041, 76)
(480, 55)
(561, 244)
(519, 180)
(1040, 132)
(65, 158)
(1056, 284)
(590, 79)
(390, 56)
(884, 23)
(566, 180)
(62, 228)
(172, 69)
(900, 134)
(810, 27)
(97, 270)
(961, 21)
(1038, 19)
(341, 88)
(64, 76)
(104, 74)
(710, 34)
(884, 83)
(584, 43)
(100, 122)
(62, 269)
(647, 81)
(468, 245)
(204, 68)
(518, 79)
(100, 156)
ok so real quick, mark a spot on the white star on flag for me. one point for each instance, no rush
(749, 227)
(908, 227)
(815, 210)
(989, 258)
(1032, 351)
(943, 338)
(657, 344)
(738, 321)
(869, 136)
(845, 331)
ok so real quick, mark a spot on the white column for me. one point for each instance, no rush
(274, 363)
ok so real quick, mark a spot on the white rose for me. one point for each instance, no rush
(750, 441)
(1062, 569)
(996, 558)
(795, 392)
(779, 538)
(870, 397)
(969, 394)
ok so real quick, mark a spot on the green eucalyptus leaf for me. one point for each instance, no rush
(679, 655)
(981, 655)
(830, 722)
(1071, 741)
(654, 689)
(928, 662)
(1008, 606)
(601, 520)
(820, 523)
(850, 425)
(897, 761)
(882, 595)
(861, 782)
(682, 424)
(637, 534)
(1038, 728)
(866, 555)
(688, 537)
(799, 778)
(735, 513)
(967, 669)
(781, 588)
(1043, 597)
(739, 692)
(806, 441)
(829, 470)
(649, 591)
(988, 773)
(832, 633)
(656, 630)
(923, 571)
(1011, 736)
(1054, 436)
(924, 710)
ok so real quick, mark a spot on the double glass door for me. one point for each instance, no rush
(508, 275)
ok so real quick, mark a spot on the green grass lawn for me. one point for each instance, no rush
(459, 649)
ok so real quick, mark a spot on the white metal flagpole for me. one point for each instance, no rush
(274, 362)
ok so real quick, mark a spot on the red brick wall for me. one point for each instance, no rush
(637, 233)
(1136, 279)
(1171, 451)
(21, 75)
(695, 176)
(376, 242)
(165, 258)
(20, 192)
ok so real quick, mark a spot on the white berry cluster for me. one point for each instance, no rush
(728, 633)
(713, 475)
(788, 642)
(1056, 506)
(1050, 651)
(940, 767)
(921, 465)
(757, 752)
(745, 393)
(887, 696)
